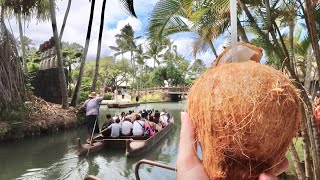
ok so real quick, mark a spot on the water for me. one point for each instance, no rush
(55, 156)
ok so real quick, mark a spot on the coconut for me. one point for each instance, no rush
(245, 115)
(245, 52)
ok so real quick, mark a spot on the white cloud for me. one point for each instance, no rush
(77, 23)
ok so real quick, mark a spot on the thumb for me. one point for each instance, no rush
(267, 176)
(187, 143)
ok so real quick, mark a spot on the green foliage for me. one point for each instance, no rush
(107, 96)
(33, 66)
(14, 113)
(156, 97)
(168, 73)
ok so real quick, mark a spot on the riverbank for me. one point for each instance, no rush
(39, 117)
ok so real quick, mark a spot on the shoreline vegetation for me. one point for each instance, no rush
(36, 117)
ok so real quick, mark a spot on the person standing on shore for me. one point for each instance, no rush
(122, 93)
(92, 106)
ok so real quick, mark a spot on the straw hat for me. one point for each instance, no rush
(93, 94)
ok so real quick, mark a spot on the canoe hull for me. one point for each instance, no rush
(125, 105)
(133, 145)
(137, 147)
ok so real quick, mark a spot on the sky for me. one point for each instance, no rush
(115, 19)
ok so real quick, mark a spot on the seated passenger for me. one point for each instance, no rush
(126, 127)
(106, 124)
(138, 124)
(156, 118)
(115, 128)
(163, 119)
(149, 127)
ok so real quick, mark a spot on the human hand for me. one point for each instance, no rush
(190, 167)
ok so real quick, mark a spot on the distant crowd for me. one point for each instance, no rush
(142, 123)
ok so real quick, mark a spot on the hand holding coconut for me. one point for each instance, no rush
(188, 163)
(244, 116)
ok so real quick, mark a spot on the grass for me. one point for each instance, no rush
(156, 97)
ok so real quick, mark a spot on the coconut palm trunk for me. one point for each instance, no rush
(65, 19)
(96, 72)
(23, 48)
(62, 77)
(212, 48)
(83, 60)
(313, 33)
(307, 78)
(241, 32)
(284, 56)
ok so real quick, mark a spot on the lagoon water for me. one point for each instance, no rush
(54, 156)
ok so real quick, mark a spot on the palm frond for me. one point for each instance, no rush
(166, 19)
(128, 5)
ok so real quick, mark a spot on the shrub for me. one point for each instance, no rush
(156, 97)
(107, 96)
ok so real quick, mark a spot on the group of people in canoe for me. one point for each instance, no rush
(143, 123)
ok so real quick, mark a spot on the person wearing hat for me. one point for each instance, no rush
(92, 106)
(163, 119)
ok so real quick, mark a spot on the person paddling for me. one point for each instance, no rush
(92, 106)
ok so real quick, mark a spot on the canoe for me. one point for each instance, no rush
(133, 145)
(124, 105)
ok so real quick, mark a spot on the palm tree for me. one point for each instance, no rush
(12, 87)
(95, 77)
(128, 5)
(153, 52)
(65, 19)
(63, 82)
(84, 57)
(24, 60)
(168, 17)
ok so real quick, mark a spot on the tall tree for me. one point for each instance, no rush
(23, 48)
(154, 50)
(65, 19)
(12, 85)
(84, 57)
(62, 77)
(95, 77)
(128, 5)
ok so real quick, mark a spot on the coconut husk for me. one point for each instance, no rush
(245, 52)
(245, 115)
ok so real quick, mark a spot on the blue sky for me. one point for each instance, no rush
(115, 19)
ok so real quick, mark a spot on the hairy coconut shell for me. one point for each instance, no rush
(245, 115)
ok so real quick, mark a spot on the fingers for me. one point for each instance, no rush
(282, 167)
(267, 176)
(187, 137)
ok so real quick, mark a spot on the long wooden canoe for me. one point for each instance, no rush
(133, 145)
(136, 147)
(122, 105)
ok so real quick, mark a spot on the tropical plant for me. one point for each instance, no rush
(25, 10)
(128, 5)
(84, 56)
(12, 83)
(154, 50)
(65, 19)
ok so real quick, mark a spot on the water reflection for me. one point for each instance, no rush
(55, 156)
